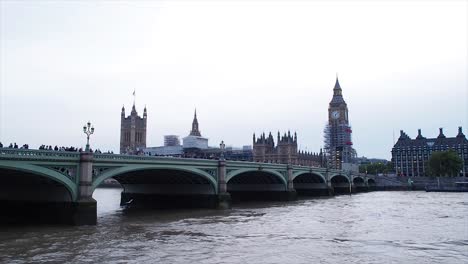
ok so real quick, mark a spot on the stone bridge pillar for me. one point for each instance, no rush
(291, 192)
(84, 209)
(224, 198)
(331, 191)
(352, 187)
(290, 178)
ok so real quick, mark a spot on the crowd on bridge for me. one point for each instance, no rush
(14, 145)
(56, 148)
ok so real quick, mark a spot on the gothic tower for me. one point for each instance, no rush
(132, 131)
(195, 131)
(338, 142)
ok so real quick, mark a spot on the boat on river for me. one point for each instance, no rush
(455, 187)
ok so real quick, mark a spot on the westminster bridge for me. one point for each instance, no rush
(57, 187)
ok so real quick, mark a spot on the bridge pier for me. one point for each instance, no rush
(85, 209)
(331, 190)
(84, 212)
(224, 198)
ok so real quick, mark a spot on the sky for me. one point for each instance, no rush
(246, 66)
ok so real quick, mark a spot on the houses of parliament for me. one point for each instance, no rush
(338, 145)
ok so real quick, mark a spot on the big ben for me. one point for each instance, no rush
(338, 142)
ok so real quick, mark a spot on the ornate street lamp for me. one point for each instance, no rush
(88, 130)
(222, 147)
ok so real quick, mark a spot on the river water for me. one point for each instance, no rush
(376, 227)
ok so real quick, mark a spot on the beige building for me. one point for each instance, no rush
(132, 132)
(285, 151)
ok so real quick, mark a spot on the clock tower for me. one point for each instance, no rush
(337, 109)
(338, 142)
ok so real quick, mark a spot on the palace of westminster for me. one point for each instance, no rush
(338, 146)
(409, 156)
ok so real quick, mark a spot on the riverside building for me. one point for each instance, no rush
(410, 156)
(132, 131)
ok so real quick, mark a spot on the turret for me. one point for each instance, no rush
(145, 113)
(134, 112)
(123, 111)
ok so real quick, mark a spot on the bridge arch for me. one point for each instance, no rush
(358, 180)
(371, 184)
(140, 168)
(359, 184)
(309, 183)
(70, 186)
(253, 184)
(273, 173)
(315, 174)
(340, 184)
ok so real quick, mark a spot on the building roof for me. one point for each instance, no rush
(441, 140)
(337, 99)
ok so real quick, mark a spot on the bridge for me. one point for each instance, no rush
(57, 187)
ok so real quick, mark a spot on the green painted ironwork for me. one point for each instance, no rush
(64, 167)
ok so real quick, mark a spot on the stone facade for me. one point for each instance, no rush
(285, 151)
(410, 156)
(132, 132)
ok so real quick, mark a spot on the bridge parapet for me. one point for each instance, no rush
(117, 158)
(28, 154)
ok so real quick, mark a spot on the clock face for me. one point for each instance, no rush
(335, 114)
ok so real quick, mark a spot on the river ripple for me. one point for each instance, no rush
(377, 227)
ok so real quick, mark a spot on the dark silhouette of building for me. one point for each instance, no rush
(285, 152)
(410, 156)
(132, 132)
(338, 143)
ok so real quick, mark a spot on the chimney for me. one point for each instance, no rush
(419, 135)
(460, 133)
(441, 133)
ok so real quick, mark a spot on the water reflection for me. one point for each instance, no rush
(379, 227)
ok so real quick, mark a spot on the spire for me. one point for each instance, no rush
(134, 112)
(337, 86)
(337, 99)
(123, 111)
(195, 131)
(145, 114)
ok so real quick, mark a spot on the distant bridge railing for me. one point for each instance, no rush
(9, 153)
(33, 154)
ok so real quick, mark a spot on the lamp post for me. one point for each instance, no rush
(88, 130)
(222, 147)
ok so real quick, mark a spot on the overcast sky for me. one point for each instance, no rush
(245, 66)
